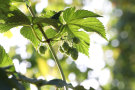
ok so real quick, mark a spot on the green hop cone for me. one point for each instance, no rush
(76, 40)
(65, 46)
(61, 49)
(42, 49)
(69, 51)
(74, 53)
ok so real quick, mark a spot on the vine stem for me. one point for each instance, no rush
(49, 44)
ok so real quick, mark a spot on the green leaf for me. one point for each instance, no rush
(90, 25)
(9, 68)
(11, 17)
(47, 13)
(50, 33)
(83, 46)
(70, 14)
(47, 21)
(84, 19)
(84, 14)
(4, 3)
(17, 0)
(5, 60)
(27, 32)
(50, 14)
(14, 18)
(60, 32)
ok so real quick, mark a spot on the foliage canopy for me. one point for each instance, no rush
(60, 26)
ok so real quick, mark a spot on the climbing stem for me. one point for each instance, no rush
(49, 44)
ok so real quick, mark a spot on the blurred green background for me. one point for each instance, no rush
(123, 43)
(113, 69)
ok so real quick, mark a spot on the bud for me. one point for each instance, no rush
(42, 49)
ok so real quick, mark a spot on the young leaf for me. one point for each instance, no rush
(47, 13)
(27, 32)
(4, 58)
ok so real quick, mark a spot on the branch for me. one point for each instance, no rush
(39, 82)
(50, 46)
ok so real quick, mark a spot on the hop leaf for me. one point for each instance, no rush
(4, 58)
(27, 32)
(82, 19)
(11, 16)
(83, 46)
